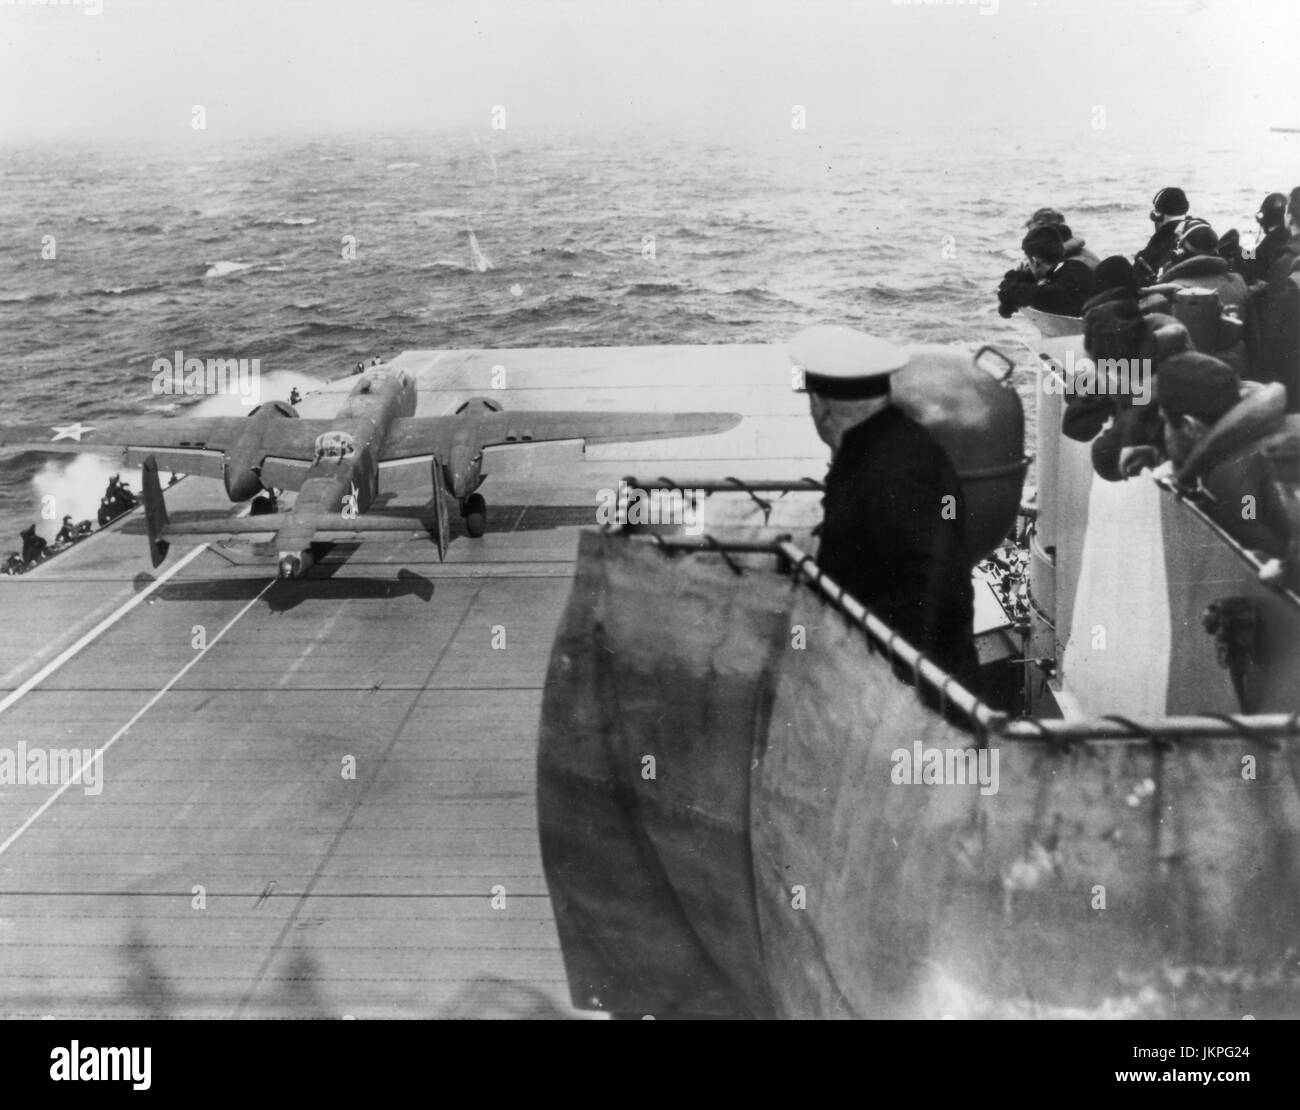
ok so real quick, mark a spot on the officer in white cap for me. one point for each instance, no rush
(893, 532)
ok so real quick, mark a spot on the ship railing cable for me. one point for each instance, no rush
(1163, 732)
(709, 486)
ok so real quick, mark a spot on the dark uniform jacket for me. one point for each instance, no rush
(1062, 292)
(1156, 253)
(1278, 313)
(887, 540)
(1266, 253)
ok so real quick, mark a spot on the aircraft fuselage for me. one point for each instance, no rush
(344, 476)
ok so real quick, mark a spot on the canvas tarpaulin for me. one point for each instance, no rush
(724, 831)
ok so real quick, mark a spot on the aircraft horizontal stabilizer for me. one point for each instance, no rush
(319, 522)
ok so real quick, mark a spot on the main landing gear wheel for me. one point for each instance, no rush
(475, 513)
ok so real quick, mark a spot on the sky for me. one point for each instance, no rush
(136, 69)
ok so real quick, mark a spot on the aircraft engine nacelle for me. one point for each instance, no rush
(244, 463)
(464, 466)
(980, 422)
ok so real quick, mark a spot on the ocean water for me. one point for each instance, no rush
(498, 239)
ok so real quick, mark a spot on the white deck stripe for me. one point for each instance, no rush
(54, 664)
(99, 752)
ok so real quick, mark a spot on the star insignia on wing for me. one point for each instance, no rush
(71, 431)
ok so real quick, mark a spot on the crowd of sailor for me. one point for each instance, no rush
(1218, 324)
(117, 499)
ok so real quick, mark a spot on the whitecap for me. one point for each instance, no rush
(290, 221)
(222, 268)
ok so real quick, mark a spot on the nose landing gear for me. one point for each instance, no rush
(295, 565)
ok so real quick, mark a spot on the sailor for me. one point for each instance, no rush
(894, 527)
(1271, 218)
(33, 545)
(1044, 217)
(13, 564)
(1051, 283)
(1113, 279)
(1074, 246)
(118, 498)
(123, 499)
(68, 533)
(1278, 312)
(1197, 264)
(1196, 393)
(1113, 328)
(1136, 345)
(294, 396)
(1169, 209)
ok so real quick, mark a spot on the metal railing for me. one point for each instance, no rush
(1263, 729)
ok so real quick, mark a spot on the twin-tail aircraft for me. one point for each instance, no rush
(335, 465)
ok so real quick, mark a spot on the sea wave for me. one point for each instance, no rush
(288, 221)
(447, 264)
(654, 288)
(26, 298)
(312, 328)
(127, 290)
(224, 268)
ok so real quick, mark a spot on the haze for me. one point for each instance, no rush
(137, 69)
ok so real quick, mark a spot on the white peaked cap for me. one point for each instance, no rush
(839, 358)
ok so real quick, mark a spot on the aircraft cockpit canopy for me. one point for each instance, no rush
(335, 445)
(380, 374)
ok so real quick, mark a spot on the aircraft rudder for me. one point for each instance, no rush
(155, 510)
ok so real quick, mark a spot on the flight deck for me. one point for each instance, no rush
(316, 798)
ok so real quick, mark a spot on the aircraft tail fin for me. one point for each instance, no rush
(155, 510)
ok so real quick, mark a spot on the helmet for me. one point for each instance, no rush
(1272, 211)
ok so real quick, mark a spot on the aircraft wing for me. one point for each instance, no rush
(418, 436)
(190, 444)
